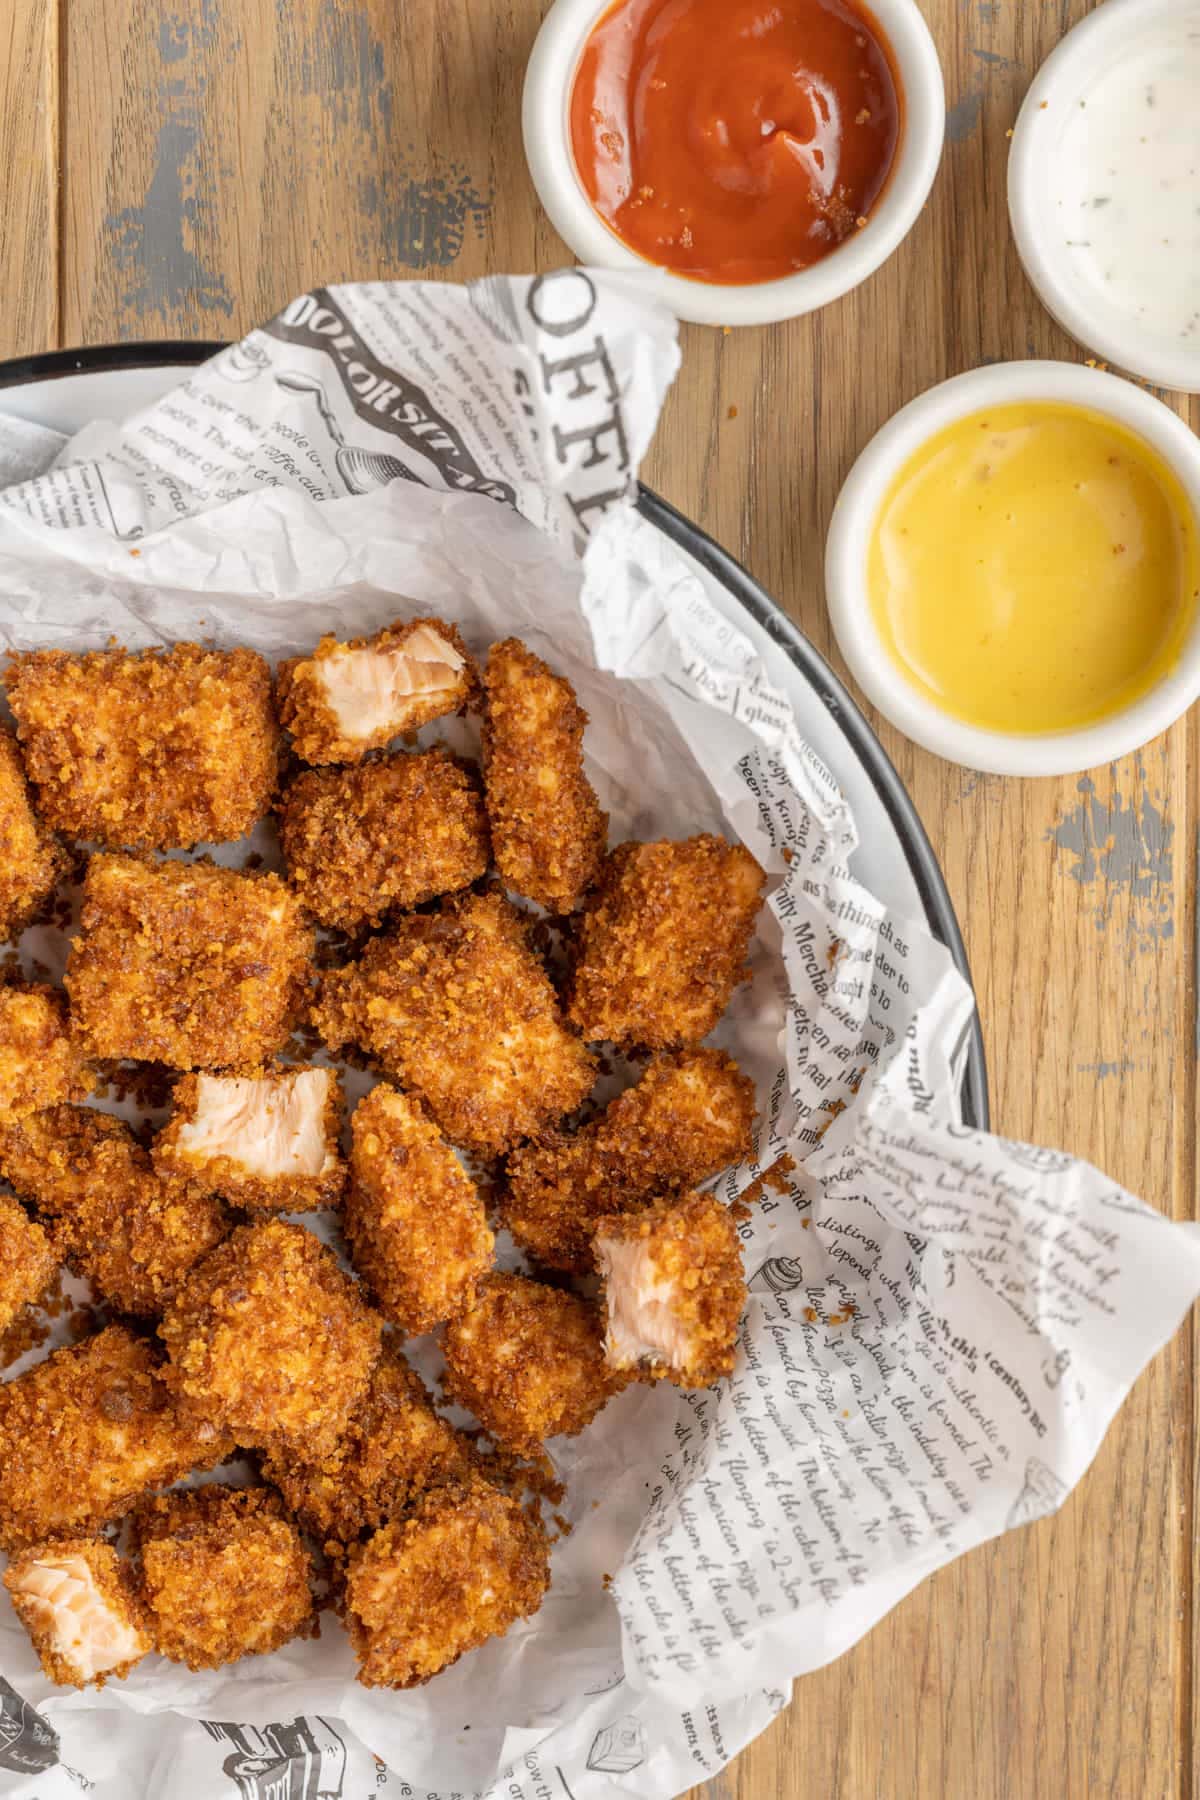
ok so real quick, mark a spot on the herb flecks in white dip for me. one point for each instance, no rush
(1128, 181)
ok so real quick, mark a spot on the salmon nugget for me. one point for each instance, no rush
(148, 749)
(28, 1261)
(414, 1221)
(79, 1603)
(269, 1336)
(690, 1115)
(457, 1006)
(461, 1568)
(187, 964)
(390, 833)
(663, 941)
(266, 1139)
(393, 1448)
(346, 699)
(529, 1362)
(674, 1290)
(88, 1430)
(132, 1232)
(41, 1062)
(547, 827)
(224, 1574)
(31, 861)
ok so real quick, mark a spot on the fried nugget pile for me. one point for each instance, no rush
(228, 1328)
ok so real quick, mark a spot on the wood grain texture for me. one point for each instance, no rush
(219, 155)
(29, 140)
(223, 157)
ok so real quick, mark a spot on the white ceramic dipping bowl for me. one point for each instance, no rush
(549, 79)
(1099, 44)
(882, 679)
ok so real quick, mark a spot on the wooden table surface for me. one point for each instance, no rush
(180, 168)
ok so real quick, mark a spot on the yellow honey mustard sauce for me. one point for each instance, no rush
(1034, 568)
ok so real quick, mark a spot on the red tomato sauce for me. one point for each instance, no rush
(735, 140)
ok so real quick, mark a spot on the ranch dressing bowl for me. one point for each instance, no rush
(1013, 568)
(1104, 187)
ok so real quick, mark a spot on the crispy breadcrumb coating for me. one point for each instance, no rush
(186, 964)
(529, 1362)
(79, 1603)
(390, 833)
(148, 749)
(662, 943)
(132, 1232)
(269, 1336)
(414, 1222)
(547, 827)
(461, 1568)
(28, 1261)
(41, 1062)
(393, 1447)
(674, 1290)
(457, 1006)
(346, 699)
(224, 1574)
(31, 860)
(267, 1139)
(88, 1430)
(690, 1115)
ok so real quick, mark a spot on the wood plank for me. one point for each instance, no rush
(343, 139)
(28, 197)
(326, 139)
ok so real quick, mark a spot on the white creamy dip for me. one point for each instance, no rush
(1125, 184)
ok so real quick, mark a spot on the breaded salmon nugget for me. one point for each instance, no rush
(690, 1115)
(31, 861)
(186, 964)
(88, 1430)
(394, 1446)
(674, 1290)
(266, 1139)
(41, 1062)
(414, 1221)
(464, 1565)
(547, 827)
(269, 1336)
(346, 699)
(457, 1006)
(663, 941)
(529, 1362)
(28, 1261)
(392, 833)
(224, 1574)
(133, 1233)
(79, 1603)
(150, 749)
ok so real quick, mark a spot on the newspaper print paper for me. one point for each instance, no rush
(941, 1323)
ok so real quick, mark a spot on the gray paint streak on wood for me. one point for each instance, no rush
(179, 34)
(149, 245)
(1122, 850)
(148, 240)
(1102, 1070)
(423, 220)
(963, 116)
(416, 217)
(343, 62)
(976, 781)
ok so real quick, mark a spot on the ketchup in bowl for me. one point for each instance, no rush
(735, 141)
